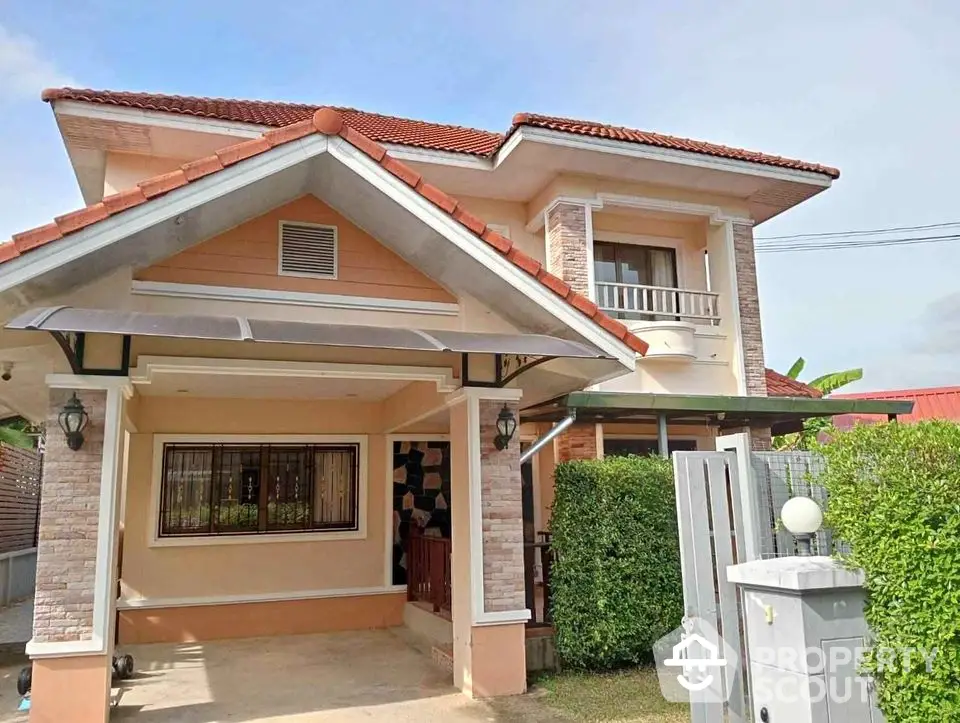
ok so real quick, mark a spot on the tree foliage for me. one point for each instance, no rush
(616, 580)
(826, 384)
(895, 498)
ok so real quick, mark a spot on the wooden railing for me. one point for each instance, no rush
(657, 303)
(428, 570)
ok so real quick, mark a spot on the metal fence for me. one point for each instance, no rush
(19, 498)
(778, 476)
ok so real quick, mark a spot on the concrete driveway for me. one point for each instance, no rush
(376, 675)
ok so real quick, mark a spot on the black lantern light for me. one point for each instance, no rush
(506, 426)
(73, 420)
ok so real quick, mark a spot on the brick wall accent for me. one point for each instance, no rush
(502, 514)
(566, 230)
(69, 510)
(578, 442)
(749, 302)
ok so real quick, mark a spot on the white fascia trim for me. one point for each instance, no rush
(654, 153)
(158, 119)
(506, 394)
(148, 366)
(90, 383)
(139, 218)
(441, 158)
(185, 602)
(715, 214)
(388, 501)
(444, 224)
(290, 298)
(66, 649)
(159, 440)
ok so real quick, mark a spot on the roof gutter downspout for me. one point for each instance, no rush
(555, 431)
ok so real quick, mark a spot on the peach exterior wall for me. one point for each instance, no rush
(247, 256)
(289, 617)
(254, 567)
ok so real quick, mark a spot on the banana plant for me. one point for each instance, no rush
(826, 384)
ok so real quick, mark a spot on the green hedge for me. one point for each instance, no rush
(616, 581)
(895, 498)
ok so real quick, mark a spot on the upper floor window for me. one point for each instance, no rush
(246, 489)
(621, 269)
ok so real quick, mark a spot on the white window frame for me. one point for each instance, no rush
(664, 242)
(336, 250)
(159, 440)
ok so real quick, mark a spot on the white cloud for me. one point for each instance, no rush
(24, 72)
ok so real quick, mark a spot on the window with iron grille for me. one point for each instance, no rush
(250, 489)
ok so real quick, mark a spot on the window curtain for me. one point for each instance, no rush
(662, 274)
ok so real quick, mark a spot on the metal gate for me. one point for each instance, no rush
(728, 508)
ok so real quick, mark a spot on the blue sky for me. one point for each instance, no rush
(866, 86)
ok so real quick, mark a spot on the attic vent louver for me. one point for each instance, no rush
(308, 249)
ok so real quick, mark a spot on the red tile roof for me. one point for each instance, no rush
(780, 385)
(631, 135)
(403, 131)
(327, 121)
(929, 403)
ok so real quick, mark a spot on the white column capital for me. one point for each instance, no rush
(94, 382)
(505, 394)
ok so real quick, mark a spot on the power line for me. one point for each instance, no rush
(853, 244)
(841, 234)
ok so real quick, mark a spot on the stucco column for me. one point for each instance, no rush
(489, 612)
(569, 242)
(74, 613)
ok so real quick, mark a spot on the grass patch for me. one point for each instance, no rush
(631, 695)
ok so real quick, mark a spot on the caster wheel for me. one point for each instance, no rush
(24, 680)
(126, 662)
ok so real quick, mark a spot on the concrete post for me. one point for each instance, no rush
(489, 610)
(805, 627)
(73, 626)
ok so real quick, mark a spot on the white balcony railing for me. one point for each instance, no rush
(657, 303)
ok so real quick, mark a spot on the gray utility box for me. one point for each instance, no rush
(804, 633)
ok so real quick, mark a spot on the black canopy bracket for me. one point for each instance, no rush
(73, 344)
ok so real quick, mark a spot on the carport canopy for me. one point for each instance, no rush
(66, 319)
(781, 414)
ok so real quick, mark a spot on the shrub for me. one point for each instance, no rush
(895, 498)
(616, 584)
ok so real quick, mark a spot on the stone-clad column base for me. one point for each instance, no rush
(74, 690)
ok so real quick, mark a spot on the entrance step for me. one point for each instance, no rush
(436, 627)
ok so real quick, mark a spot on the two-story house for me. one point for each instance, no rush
(286, 348)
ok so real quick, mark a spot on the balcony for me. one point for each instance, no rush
(658, 303)
(667, 318)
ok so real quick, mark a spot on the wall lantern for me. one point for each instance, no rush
(506, 426)
(73, 419)
(802, 517)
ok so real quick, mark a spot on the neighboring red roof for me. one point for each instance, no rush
(780, 385)
(327, 121)
(929, 403)
(403, 131)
